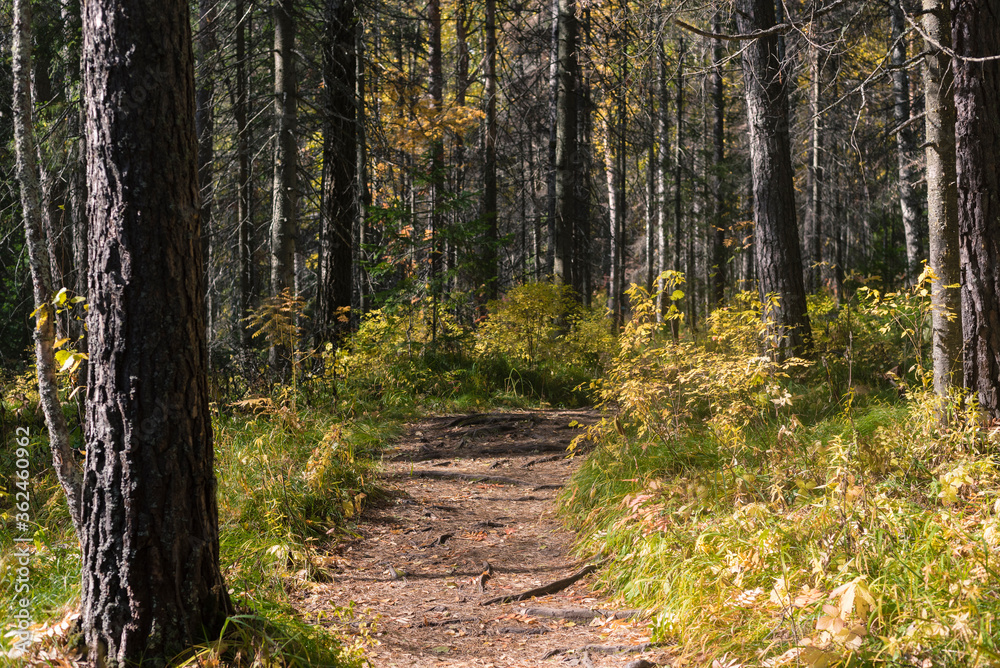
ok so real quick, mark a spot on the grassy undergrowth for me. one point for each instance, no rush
(802, 514)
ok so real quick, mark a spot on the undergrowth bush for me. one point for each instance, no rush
(790, 514)
(534, 344)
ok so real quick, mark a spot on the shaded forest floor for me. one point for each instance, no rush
(474, 495)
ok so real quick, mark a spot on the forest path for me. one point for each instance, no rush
(475, 494)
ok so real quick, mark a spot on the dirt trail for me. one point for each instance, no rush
(426, 561)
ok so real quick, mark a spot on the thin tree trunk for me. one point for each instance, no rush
(942, 200)
(437, 163)
(152, 585)
(284, 225)
(205, 127)
(553, 121)
(814, 177)
(678, 162)
(662, 168)
(67, 471)
(362, 191)
(905, 145)
(719, 258)
(491, 274)
(614, 240)
(244, 217)
(650, 220)
(976, 34)
(776, 238)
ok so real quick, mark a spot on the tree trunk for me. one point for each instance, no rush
(436, 80)
(678, 170)
(553, 127)
(905, 145)
(243, 213)
(338, 206)
(566, 145)
(150, 548)
(614, 226)
(942, 200)
(25, 149)
(976, 34)
(776, 237)
(814, 177)
(205, 127)
(650, 236)
(363, 193)
(284, 225)
(719, 258)
(662, 169)
(492, 239)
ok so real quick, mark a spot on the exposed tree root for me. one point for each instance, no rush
(544, 590)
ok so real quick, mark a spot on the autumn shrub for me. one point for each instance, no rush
(759, 530)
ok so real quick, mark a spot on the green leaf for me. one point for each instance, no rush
(676, 295)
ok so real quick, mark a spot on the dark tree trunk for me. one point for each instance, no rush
(339, 200)
(150, 548)
(976, 34)
(566, 145)
(942, 200)
(906, 145)
(776, 236)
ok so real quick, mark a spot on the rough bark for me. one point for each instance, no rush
(942, 200)
(339, 201)
(776, 238)
(905, 145)
(151, 579)
(25, 149)
(976, 34)
(566, 145)
(285, 196)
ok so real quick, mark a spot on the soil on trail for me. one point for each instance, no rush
(473, 519)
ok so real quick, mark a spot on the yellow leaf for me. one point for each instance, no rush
(60, 343)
